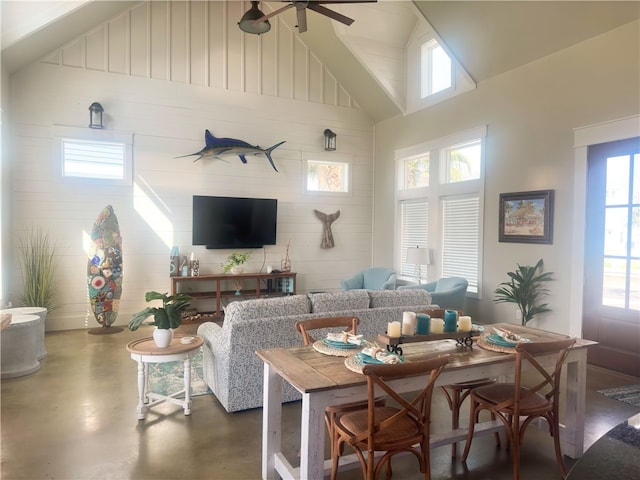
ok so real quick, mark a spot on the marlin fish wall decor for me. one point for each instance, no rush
(215, 147)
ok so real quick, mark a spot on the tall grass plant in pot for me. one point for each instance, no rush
(39, 261)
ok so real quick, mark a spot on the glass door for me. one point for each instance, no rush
(611, 313)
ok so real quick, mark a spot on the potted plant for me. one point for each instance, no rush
(235, 262)
(526, 289)
(165, 318)
(39, 263)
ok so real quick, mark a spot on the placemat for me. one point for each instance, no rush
(484, 343)
(322, 347)
(351, 364)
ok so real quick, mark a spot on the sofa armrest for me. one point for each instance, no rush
(212, 334)
(390, 284)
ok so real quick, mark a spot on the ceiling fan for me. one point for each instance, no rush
(252, 23)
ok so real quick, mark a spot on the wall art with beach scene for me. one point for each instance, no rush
(526, 217)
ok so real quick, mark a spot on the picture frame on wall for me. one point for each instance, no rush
(526, 217)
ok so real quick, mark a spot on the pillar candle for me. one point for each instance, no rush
(408, 323)
(424, 323)
(450, 321)
(464, 323)
(437, 325)
(393, 329)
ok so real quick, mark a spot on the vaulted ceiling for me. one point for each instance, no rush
(487, 38)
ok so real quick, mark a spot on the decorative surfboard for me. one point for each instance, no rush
(104, 269)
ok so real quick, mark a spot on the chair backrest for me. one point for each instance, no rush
(417, 405)
(350, 325)
(548, 378)
(378, 278)
(450, 283)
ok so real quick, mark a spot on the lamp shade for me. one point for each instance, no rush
(248, 22)
(418, 256)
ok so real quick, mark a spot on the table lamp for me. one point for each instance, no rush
(418, 256)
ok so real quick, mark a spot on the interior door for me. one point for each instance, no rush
(612, 256)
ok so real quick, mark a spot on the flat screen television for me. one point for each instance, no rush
(232, 222)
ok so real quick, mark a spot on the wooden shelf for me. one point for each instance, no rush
(223, 286)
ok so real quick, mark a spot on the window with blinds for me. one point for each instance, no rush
(92, 155)
(105, 160)
(461, 238)
(444, 213)
(414, 233)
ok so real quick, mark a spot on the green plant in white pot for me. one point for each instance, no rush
(235, 263)
(165, 318)
(526, 289)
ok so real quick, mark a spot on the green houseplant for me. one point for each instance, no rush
(164, 318)
(39, 262)
(526, 288)
(234, 261)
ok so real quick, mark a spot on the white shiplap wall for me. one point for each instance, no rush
(156, 71)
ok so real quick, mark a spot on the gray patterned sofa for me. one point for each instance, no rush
(233, 371)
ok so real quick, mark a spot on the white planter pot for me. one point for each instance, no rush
(237, 270)
(162, 337)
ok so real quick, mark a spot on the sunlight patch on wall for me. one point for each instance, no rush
(151, 211)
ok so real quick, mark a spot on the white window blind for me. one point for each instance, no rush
(461, 237)
(414, 233)
(89, 159)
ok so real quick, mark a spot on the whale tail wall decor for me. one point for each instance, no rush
(215, 147)
(327, 234)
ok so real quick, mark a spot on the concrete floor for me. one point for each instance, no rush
(76, 419)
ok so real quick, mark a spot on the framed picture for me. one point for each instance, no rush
(526, 217)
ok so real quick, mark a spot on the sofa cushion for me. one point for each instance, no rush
(337, 301)
(268, 307)
(399, 298)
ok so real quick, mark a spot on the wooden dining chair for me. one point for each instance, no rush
(350, 325)
(389, 429)
(456, 393)
(517, 404)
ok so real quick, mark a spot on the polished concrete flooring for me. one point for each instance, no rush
(76, 419)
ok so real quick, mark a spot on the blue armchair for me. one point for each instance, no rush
(377, 278)
(448, 292)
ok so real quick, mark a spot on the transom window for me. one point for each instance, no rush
(436, 70)
(327, 176)
(93, 159)
(94, 155)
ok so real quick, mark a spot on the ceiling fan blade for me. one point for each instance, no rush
(330, 13)
(302, 17)
(274, 13)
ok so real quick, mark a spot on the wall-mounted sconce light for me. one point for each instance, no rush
(329, 140)
(95, 115)
(248, 22)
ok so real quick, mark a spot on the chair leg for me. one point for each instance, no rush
(472, 423)
(515, 452)
(556, 442)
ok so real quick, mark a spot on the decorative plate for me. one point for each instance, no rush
(367, 360)
(336, 344)
(503, 342)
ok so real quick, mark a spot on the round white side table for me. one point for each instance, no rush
(20, 346)
(145, 351)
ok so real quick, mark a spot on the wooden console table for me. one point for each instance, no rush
(217, 286)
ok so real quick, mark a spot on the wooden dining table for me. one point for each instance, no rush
(325, 380)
